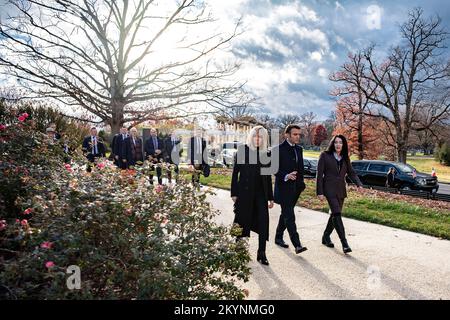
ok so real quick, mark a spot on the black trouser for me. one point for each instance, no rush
(158, 174)
(262, 216)
(169, 172)
(335, 204)
(121, 164)
(335, 220)
(287, 221)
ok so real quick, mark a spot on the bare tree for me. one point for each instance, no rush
(266, 120)
(352, 103)
(106, 57)
(286, 119)
(413, 81)
(307, 122)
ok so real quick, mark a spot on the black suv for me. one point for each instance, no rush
(310, 167)
(374, 173)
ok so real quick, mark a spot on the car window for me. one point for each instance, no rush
(360, 165)
(378, 167)
(406, 168)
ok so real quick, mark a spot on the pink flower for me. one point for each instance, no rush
(25, 115)
(67, 166)
(24, 222)
(2, 127)
(28, 211)
(17, 221)
(47, 245)
(101, 165)
(159, 188)
(49, 264)
(3, 225)
(21, 118)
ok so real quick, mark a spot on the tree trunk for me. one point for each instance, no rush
(117, 119)
(360, 137)
(401, 154)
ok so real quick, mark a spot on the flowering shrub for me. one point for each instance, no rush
(129, 239)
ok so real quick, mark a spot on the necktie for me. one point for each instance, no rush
(94, 145)
(296, 154)
(155, 143)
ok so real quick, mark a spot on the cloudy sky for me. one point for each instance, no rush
(289, 47)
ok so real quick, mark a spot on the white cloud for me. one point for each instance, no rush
(316, 56)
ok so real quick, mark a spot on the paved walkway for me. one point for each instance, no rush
(386, 263)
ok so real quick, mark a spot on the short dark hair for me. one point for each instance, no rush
(290, 127)
(92, 128)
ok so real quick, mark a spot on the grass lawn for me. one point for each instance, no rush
(370, 206)
(425, 163)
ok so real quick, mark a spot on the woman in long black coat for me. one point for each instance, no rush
(334, 165)
(251, 189)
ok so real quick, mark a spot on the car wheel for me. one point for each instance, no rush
(405, 188)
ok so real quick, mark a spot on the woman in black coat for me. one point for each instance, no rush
(251, 189)
(334, 165)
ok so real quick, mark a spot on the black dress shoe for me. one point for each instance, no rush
(327, 241)
(300, 249)
(281, 243)
(345, 247)
(261, 258)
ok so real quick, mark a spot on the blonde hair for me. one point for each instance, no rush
(262, 133)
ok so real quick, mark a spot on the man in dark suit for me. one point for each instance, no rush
(93, 147)
(197, 155)
(118, 148)
(153, 152)
(172, 154)
(289, 183)
(133, 151)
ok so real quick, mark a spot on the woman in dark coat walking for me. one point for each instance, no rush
(251, 189)
(334, 165)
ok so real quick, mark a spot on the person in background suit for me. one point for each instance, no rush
(172, 154)
(197, 155)
(118, 148)
(67, 148)
(153, 152)
(289, 184)
(334, 165)
(390, 178)
(133, 151)
(56, 133)
(251, 190)
(93, 147)
(50, 135)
